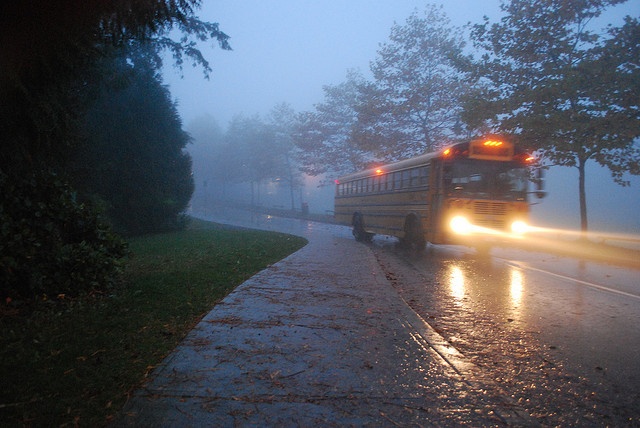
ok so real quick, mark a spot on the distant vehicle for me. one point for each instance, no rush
(463, 194)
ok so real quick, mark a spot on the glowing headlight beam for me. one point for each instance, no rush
(519, 227)
(460, 225)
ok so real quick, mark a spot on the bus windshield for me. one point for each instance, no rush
(482, 179)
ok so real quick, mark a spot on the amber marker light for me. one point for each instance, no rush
(491, 143)
(379, 171)
(447, 152)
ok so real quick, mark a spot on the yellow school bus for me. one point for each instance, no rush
(462, 194)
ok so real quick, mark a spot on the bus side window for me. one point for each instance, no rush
(397, 180)
(376, 184)
(447, 175)
(406, 179)
(415, 177)
(424, 176)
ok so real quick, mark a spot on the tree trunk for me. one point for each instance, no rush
(583, 197)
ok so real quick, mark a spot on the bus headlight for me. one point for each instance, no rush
(519, 227)
(460, 225)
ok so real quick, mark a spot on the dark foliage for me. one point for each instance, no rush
(49, 243)
(47, 57)
(133, 156)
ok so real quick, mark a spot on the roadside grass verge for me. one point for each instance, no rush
(74, 362)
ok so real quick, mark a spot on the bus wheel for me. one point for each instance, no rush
(358, 229)
(413, 236)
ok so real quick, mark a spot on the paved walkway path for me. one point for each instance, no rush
(319, 338)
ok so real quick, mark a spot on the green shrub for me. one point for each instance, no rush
(49, 243)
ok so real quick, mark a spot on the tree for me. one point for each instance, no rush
(47, 57)
(282, 120)
(49, 73)
(326, 137)
(256, 151)
(206, 136)
(415, 99)
(252, 153)
(133, 158)
(569, 92)
(206, 148)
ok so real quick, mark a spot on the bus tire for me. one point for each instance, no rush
(358, 231)
(413, 236)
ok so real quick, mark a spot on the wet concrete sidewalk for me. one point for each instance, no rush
(320, 338)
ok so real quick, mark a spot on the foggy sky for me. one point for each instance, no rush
(286, 50)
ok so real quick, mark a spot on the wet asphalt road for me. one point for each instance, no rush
(567, 352)
(345, 334)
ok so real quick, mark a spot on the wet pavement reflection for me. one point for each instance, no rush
(519, 327)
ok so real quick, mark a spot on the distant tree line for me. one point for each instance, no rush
(252, 151)
(91, 141)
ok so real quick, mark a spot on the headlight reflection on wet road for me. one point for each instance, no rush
(516, 286)
(456, 283)
(501, 287)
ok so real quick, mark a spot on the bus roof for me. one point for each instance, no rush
(423, 159)
(390, 167)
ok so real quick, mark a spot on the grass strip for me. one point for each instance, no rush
(74, 362)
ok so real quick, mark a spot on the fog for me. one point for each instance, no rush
(611, 208)
(287, 50)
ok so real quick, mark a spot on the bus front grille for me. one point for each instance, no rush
(490, 214)
(490, 208)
